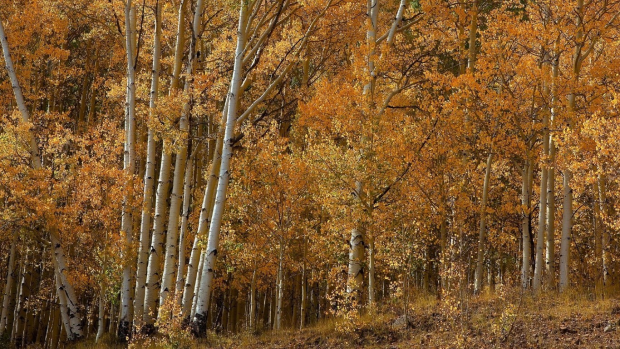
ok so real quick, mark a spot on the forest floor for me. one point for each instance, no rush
(506, 319)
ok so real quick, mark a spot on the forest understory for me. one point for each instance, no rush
(507, 318)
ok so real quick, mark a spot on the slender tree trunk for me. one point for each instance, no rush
(180, 165)
(197, 283)
(152, 274)
(253, 300)
(126, 317)
(187, 196)
(371, 270)
(482, 231)
(279, 289)
(101, 318)
(66, 294)
(196, 259)
(8, 288)
(525, 225)
(149, 180)
(176, 198)
(542, 212)
(473, 31)
(19, 98)
(19, 319)
(605, 238)
(566, 232)
(202, 303)
(551, 174)
(550, 257)
(55, 329)
(179, 47)
(304, 296)
(598, 235)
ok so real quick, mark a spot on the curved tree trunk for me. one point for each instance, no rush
(204, 294)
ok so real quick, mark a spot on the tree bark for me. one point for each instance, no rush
(542, 212)
(194, 267)
(101, 318)
(567, 208)
(180, 165)
(126, 317)
(279, 289)
(202, 304)
(482, 231)
(66, 294)
(525, 225)
(149, 179)
(252, 312)
(152, 274)
(8, 288)
(187, 196)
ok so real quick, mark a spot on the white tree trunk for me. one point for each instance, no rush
(279, 288)
(196, 287)
(252, 312)
(178, 50)
(550, 257)
(356, 256)
(149, 180)
(8, 288)
(65, 290)
(187, 196)
(482, 231)
(371, 270)
(602, 195)
(152, 273)
(19, 97)
(62, 302)
(101, 321)
(566, 231)
(204, 294)
(179, 171)
(173, 219)
(525, 225)
(542, 212)
(196, 257)
(129, 167)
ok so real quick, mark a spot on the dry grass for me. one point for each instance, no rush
(505, 319)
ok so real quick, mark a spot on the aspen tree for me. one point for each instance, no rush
(526, 202)
(542, 219)
(187, 196)
(74, 329)
(149, 180)
(202, 297)
(8, 288)
(179, 169)
(482, 230)
(126, 318)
